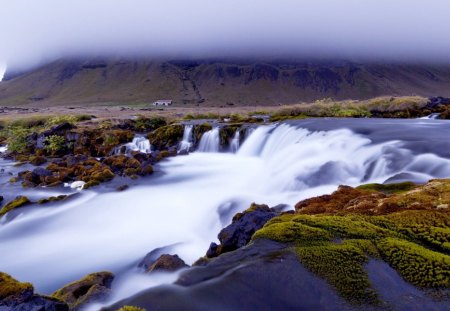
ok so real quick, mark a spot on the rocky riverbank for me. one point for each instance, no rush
(84, 153)
(375, 247)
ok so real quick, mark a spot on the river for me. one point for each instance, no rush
(192, 197)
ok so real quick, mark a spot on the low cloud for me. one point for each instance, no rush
(398, 30)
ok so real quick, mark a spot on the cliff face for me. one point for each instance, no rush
(69, 82)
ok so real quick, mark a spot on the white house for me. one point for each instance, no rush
(163, 102)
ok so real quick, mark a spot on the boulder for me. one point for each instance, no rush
(166, 263)
(241, 229)
(17, 296)
(38, 160)
(93, 287)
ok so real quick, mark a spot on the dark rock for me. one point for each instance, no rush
(261, 276)
(93, 287)
(38, 160)
(122, 187)
(40, 171)
(241, 229)
(141, 157)
(17, 296)
(433, 102)
(166, 263)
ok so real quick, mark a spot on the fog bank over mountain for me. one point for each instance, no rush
(34, 32)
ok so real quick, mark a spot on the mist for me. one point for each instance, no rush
(34, 32)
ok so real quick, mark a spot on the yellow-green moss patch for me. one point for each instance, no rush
(16, 203)
(11, 287)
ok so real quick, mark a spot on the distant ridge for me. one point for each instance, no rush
(216, 83)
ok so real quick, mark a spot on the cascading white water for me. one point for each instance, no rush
(210, 141)
(186, 143)
(432, 116)
(185, 206)
(139, 143)
(234, 144)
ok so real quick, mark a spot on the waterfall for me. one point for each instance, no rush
(432, 116)
(3, 149)
(234, 145)
(186, 143)
(276, 164)
(139, 143)
(210, 141)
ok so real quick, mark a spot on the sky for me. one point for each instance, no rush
(32, 32)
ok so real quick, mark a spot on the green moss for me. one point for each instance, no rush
(350, 227)
(11, 287)
(91, 287)
(16, 203)
(414, 242)
(102, 175)
(389, 188)
(52, 199)
(200, 129)
(291, 232)
(149, 124)
(416, 264)
(166, 136)
(342, 266)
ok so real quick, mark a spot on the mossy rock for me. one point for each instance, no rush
(200, 129)
(416, 264)
(38, 160)
(93, 287)
(131, 308)
(166, 136)
(52, 199)
(226, 134)
(16, 203)
(408, 229)
(102, 175)
(342, 265)
(13, 289)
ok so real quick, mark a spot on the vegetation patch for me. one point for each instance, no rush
(338, 241)
(10, 287)
(416, 264)
(389, 188)
(166, 136)
(16, 203)
(343, 267)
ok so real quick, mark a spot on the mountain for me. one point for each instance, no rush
(216, 83)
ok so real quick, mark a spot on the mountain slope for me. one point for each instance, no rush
(78, 82)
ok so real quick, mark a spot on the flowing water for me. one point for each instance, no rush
(196, 195)
(210, 141)
(187, 141)
(235, 142)
(139, 143)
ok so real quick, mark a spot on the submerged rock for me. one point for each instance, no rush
(93, 287)
(241, 229)
(16, 203)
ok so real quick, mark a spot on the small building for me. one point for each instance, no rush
(163, 102)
